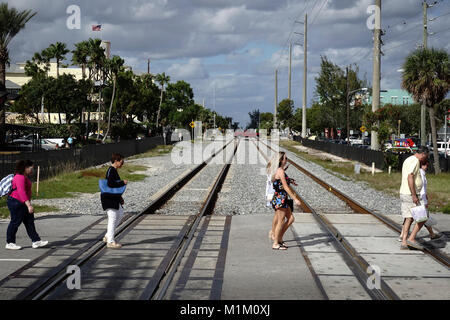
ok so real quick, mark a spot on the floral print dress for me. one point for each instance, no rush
(280, 196)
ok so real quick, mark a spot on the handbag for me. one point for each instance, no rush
(104, 188)
(419, 213)
(269, 189)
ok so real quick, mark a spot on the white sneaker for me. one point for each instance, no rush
(12, 246)
(38, 244)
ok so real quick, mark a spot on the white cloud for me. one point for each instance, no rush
(194, 69)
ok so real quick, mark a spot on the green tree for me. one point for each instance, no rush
(80, 56)
(254, 119)
(58, 51)
(113, 67)
(426, 77)
(285, 113)
(162, 79)
(331, 95)
(11, 23)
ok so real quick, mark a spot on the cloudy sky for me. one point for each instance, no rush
(232, 47)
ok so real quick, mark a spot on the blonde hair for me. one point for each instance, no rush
(274, 163)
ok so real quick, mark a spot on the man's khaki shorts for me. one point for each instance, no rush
(406, 205)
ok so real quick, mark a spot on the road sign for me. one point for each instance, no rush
(192, 124)
(363, 129)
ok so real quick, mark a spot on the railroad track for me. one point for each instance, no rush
(179, 233)
(439, 256)
(354, 260)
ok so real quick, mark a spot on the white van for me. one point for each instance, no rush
(441, 147)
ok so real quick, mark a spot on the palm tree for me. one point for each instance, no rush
(95, 64)
(58, 51)
(80, 56)
(113, 65)
(426, 77)
(11, 22)
(163, 79)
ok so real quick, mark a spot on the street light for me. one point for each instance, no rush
(348, 110)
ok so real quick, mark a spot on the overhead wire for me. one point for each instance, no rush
(286, 45)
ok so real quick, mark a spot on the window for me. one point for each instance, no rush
(394, 99)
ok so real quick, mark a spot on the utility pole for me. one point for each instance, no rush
(148, 66)
(374, 143)
(423, 134)
(276, 100)
(305, 64)
(348, 109)
(290, 70)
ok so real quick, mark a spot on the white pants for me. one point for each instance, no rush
(114, 219)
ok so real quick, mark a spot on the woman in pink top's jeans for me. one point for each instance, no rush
(19, 205)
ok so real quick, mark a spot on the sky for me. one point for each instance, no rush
(228, 50)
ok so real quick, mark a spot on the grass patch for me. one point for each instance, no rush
(85, 181)
(4, 212)
(157, 151)
(438, 185)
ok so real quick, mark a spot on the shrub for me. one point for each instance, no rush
(126, 131)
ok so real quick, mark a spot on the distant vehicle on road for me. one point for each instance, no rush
(58, 141)
(355, 140)
(441, 147)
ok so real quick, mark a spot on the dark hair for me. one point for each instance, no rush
(116, 157)
(423, 149)
(424, 163)
(283, 154)
(21, 165)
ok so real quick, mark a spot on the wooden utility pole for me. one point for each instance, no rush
(374, 143)
(305, 76)
(348, 109)
(290, 70)
(423, 134)
(276, 100)
(148, 66)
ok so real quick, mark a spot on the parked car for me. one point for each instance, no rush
(441, 147)
(355, 140)
(59, 141)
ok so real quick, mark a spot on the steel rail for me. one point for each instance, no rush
(42, 288)
(438, 255)
(354, 261)
(157, 291)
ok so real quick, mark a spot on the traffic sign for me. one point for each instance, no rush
(363, 129)
(192, 124)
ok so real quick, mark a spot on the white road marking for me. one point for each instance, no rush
(25, 260)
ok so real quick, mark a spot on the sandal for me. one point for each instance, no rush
(414, 245)
(282, 243)
(280, 247)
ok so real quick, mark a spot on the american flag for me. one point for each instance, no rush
(97, 27)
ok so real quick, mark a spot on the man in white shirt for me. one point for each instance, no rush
(409, 190)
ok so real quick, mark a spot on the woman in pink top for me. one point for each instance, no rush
(19, 205)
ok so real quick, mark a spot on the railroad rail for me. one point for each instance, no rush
(359, 208)
(49, 281)
(357, 264)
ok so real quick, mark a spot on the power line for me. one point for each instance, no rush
(440, 31)
(318, 13)
(417, 24)
(401, 44)
(286, 47)
(445, 14)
